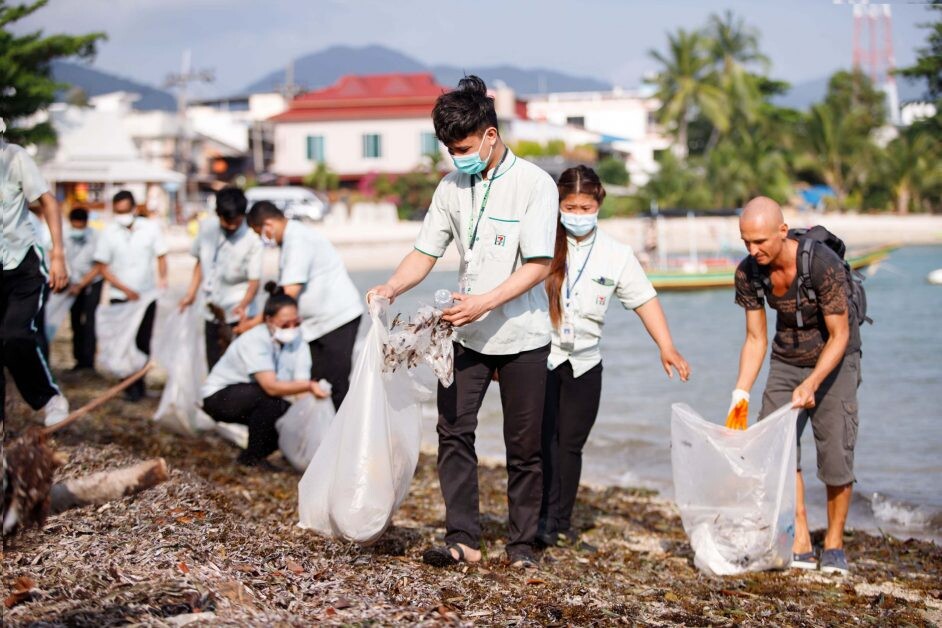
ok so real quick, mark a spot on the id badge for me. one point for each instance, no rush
(567, 334)
(466, 282)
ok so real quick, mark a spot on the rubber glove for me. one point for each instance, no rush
(738, 416)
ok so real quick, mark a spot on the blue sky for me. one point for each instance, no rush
(608, 39)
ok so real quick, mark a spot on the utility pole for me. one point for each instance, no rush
(182, 148)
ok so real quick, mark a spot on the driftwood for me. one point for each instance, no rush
(29, 463)
(105, 486)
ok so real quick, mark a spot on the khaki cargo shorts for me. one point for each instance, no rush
(833, 419)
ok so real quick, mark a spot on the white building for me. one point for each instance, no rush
(625, 121)
(360, 125)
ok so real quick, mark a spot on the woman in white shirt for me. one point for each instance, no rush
(260, 368)
(589, 269)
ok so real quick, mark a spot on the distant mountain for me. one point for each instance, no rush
(523, 81)
(323, 68)
(803, 95)
(95, 82)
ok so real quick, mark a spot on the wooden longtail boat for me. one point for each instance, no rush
(724, 277)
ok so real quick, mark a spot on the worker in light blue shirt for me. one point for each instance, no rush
(310, 270)
(85, 284)
(228, 267)
(258, 370)
(26, 279)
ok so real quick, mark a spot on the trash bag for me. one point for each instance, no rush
(303, 427)
(736, 490)
(57, 307)
(116, 326)
(181, 351)
(361, 472)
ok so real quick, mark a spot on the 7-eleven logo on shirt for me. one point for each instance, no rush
(600, 300)
(500, 240)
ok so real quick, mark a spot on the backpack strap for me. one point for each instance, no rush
(759, 285)
(805, 256)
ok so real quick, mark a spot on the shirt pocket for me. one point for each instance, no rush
(594, 299)
(501, 238)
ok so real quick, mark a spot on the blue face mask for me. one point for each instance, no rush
(579, 224)
(473, 164)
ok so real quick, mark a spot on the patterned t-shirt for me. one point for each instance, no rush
(801, 347)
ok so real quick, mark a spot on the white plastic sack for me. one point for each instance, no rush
(736, 490)
(181, 351)
(303, 427)
(116, 326)
(57, 307)
(362, 471)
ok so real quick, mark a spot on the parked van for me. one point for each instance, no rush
(295, 202)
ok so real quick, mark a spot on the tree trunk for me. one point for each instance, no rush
(902, 200)
(105, 486)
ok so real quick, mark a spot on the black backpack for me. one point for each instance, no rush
(808, 241)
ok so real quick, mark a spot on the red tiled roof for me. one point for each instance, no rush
(367, 97)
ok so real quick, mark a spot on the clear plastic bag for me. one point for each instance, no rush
(303, 427)
(181, 351)
(362, 471)
(736, 490)
(57, 307)
(116, 326)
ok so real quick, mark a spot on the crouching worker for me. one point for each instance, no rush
(258, 370)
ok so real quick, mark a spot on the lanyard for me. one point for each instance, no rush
(473, 226)
(571, 287)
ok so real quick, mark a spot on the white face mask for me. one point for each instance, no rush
(125, 220)
(267, 240)
(286, 335)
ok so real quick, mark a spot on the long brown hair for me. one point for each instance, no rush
(578, 180)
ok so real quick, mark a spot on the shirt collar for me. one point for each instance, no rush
(509, 162)
(587, 242)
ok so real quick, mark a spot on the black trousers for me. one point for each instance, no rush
(572, 404)
(332, 359)
(23, 291)
(522, 385)
(83, 325)
(248, 404)
(215, 341)
(144, 334)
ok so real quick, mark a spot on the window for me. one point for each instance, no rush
(429, 144)
(315, 148)
(578, 121)
(372, 145)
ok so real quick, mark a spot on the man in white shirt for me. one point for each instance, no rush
(85, 285)
(501, 212)
(25, 281)
(228, 267)
(311, 271)
(131, 255)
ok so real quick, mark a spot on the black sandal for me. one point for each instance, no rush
(442, 556)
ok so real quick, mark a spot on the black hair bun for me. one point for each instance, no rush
(473, 84)
(273, 288)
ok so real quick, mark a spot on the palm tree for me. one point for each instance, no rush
(823, 138)
(911, 169)
(685, 85)
(732, 46)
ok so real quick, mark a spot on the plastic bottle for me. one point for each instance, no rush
(443, 299)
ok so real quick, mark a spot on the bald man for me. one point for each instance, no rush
(815, 366)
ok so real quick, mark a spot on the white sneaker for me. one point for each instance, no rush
(57, 409)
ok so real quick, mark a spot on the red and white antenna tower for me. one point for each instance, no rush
(878, 62)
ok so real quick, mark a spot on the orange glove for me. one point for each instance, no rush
(738, 417)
